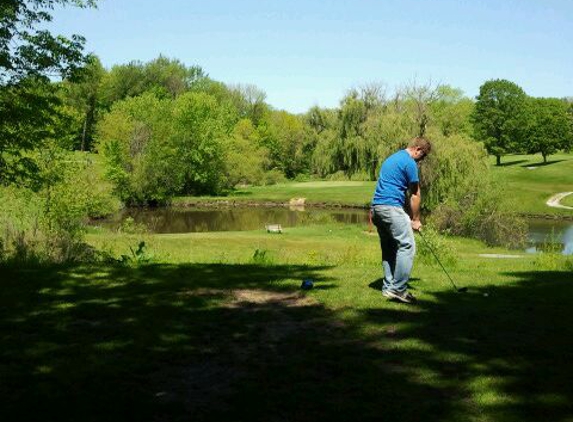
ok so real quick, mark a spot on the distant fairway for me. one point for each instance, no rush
(530, 183)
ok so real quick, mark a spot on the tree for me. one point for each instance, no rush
(499, 117)
(356, 152)
(284, 135)
(85, 96)
(28, 52)
(28, 115)
(551, 127)
(166, 78)
(451, 111)
(244, 157)
(418, 99)
(28, 57)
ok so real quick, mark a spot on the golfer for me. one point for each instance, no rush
(399, 174)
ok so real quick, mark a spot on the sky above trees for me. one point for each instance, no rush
(304, 53)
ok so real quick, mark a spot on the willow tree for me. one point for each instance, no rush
(355, 150)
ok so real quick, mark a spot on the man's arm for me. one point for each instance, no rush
(415, 202)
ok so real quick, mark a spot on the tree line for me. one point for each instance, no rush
(167, 129)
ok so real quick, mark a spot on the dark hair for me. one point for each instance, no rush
(422, 143)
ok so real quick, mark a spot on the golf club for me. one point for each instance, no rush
(460, 289)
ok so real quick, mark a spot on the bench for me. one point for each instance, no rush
(273, 228)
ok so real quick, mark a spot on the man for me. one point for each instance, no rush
(399, 173)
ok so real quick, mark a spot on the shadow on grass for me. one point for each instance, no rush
(510, 163)
(509, 346)
(542, 164)
(232, 342)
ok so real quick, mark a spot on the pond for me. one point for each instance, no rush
(185, 220)
(557, 232)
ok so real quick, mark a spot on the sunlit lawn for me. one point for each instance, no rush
(568, 200)
(211, 330)
(531, 183)
(315, 192)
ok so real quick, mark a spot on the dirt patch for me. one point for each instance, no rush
(263, 297)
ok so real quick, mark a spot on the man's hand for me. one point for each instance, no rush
(416, 225)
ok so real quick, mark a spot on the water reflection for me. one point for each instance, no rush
(545, 234)
(185, 220)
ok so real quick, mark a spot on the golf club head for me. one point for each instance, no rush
(463, 289)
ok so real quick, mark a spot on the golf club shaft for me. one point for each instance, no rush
(437, 259)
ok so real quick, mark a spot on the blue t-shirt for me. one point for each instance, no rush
(397, 173)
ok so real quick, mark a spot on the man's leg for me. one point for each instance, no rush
(388, 246)
(401, 228)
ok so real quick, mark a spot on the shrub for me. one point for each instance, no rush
(463, 200)
(273, 177)
(429, 243)
(49, 225)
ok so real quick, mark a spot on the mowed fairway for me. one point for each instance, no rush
(530, 182)
(217, 328)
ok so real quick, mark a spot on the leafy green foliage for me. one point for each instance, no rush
(245, 157)
(84, 95)
(451, 111)
(28, 105)
(164, 77)
(159, 148)
(49, 225)
(26, 51)
(500, 118)
(34, 116)
(284, 136)
(550, 126)
(137, 256)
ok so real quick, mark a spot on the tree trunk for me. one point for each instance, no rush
(498, 160)
(544, 157)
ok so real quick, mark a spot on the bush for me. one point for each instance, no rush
(273, 177)
(458, 190)
(49, 225)
(429, 243)
(487, 216)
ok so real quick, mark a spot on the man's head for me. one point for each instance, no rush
(419, 147)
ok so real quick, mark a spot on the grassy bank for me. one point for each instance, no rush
(215, 327)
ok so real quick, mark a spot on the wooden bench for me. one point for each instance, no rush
(273, 228)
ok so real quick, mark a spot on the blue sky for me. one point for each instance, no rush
(310, 52)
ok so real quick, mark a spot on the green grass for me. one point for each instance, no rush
(316, 192)
(211, 330)
(568, 200)
(530, 182)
